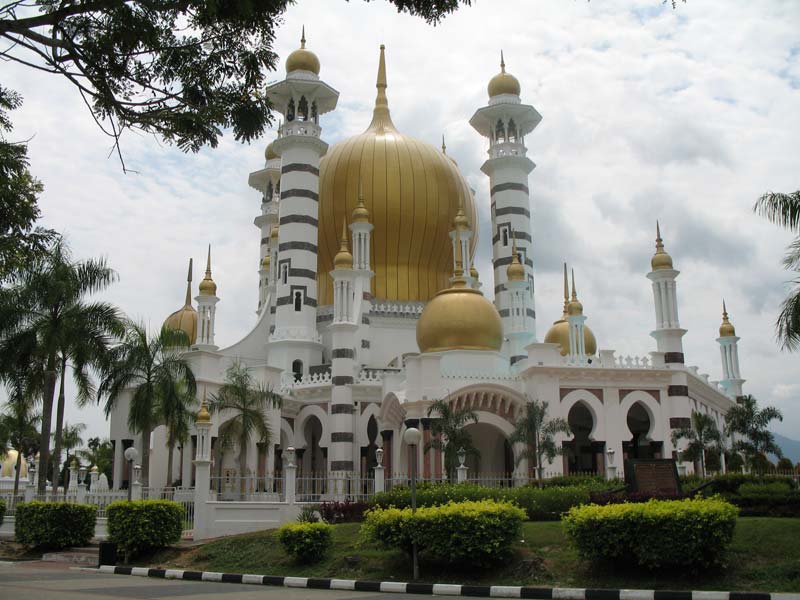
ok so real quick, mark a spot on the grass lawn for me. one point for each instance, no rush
(765, 556)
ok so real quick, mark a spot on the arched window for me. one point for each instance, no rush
(270, 191)
(505, 236)
(512, 131)
(290, 110)
(498, 130)
(302, 108)
(298, 301)
(284, 274)
(297, 369)
(314, 114)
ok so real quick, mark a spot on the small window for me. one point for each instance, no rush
(298, 301)
(504, 235)
(302, 108)
(285, 274)
(297, 369)
(290, 110)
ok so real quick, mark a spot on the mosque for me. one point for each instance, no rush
(370, 308)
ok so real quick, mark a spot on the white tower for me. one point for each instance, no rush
(668, 333)
(266, 181)
(505, 121)
(519, 301)
(206, 309)
(302, 97)
(575, 320)
(728, 346)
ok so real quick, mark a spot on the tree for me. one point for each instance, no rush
(784, 210)
(538, 435)
(43, 300)
(99, 453)
(180, 69)
(703, 436)
(20, 240)
(246, 402)
(449, 433)
(176, 416)
(148, 368)
(750, 423)
(18, 423)
(71, 439)
(785, 465)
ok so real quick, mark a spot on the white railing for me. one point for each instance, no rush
(370, 376)
(11, 501)
(633, 362)
(102, 499)
(398, 309)
(300, 128)
(248, 489)
(321, 487)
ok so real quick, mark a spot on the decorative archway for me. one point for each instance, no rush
(593, 405)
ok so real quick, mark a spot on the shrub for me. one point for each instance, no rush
(775, 499)
(144, 525)
(2, 511)
(478, 533)
(435, 494)
(54, 525)
(691, 533)
(594, 482)
(731, 482)
(343, 512)
(549, 503)
(308, 514)
(305, 542)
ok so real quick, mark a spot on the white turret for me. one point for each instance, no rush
(575, 320)
(728, 346)
(668, 333)
(206, 309)
(505, 121)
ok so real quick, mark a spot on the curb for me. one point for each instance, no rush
(439, 589)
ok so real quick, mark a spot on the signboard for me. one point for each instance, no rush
(658, 476)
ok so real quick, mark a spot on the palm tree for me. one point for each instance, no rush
(538, 435)
(71, 439)
(99, 453)
(176, 414)
(784, 210)
(149, 368)
(703, 435)
(750, 424)
(18, 424)
(40, 303)
(247, 402)
(449, 433)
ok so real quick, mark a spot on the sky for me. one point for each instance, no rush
(686, 116)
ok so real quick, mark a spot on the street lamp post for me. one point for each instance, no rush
(412, 437)
(131, 454)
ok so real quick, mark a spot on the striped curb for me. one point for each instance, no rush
(440, 589)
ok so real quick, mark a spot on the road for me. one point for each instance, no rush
(49, 581)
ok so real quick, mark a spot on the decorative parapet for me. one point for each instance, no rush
(306, 128)
(288, 381)
(300, 334)
(507, 149)
(478, 375)
(403, 310)
(370, 376)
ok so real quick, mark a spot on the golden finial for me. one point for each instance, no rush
(207, 286)
(360, 213)
(343, 258)
(574, 307)
(726, 329)
(515, 271)
(303, 38)
(444, 146)
(660, 260)
(380, 114)
(203, 416)
(566, 289)
(502, 63)
(188, 301)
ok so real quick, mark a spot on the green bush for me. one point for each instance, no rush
(436, 494)
(548, 504)
(776, 499)
(593, 482)
(305, 542)
(144, 525)
(478, 533)
(2, 511)
(692, 533)
(54, 525)
(731, 482)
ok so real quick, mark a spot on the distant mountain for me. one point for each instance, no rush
(790, 447)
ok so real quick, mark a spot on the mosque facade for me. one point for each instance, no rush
(369, 308)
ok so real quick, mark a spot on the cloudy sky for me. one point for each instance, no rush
(684, 115)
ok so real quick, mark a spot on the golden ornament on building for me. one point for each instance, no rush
(302, 59)
(503, 83)
(660, 260)
(185, 318)
(10, 463)
(515, 271)
(726, 329)
(411, 191)
(265, 262)
(269, 153)
(559, 332)
(343, 258)
(207, 286)
(203, 416)
(360, 212)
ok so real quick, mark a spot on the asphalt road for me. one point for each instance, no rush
(48, 581)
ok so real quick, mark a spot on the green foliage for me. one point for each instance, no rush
(548, 504)
(702, 436)
(306, 542)
(775, 499)
(435, 494)
(755, 440)
(478, 533)
(537, 434)
(54, 525)
(144, 525)
(693, 534)
(308, 514)
(449, 433)
(2, 510)
(593, 482)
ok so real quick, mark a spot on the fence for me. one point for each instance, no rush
(252, 489)
(319, 487)
(11, 501)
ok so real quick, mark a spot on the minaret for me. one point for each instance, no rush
(461, 233)
(518, 292)
(267, 181)
(668, 333)
(728, 346)
(505, 121)
(302, 97)
(575, 319)
(207, 309)
(361, 229)
(343, 329)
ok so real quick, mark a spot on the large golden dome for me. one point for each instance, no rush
(185, 318)
(9, 464)
(412, 191)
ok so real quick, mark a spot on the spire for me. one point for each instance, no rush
(343, 258)
(207, 286)
(660, 260)
(502, 63)
(574, 308)
(444, 146)
(360, 213)
(381, 118)
(203, 416)
(574, 295)
(303, 38)
(566, 289)
(188, 301)
(515, 271)
(726, 329)
(208, 263)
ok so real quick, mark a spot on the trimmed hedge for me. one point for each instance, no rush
(144, 525)
(478, 533)
(775, 499)
(2, 511)
(692, 534)
(306, 542)
(54, 525)
(540, 504)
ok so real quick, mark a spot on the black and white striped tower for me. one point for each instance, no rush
(302, 97)
(505, 121)
(343, 329)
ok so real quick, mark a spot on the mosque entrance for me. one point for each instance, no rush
(496, 459)
(582, 455)
(640, 446)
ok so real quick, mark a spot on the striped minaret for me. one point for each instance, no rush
(302, 97)
(505, 121)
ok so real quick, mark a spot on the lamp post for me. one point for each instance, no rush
(131, 454)
(380, 484)
(612, 470)
(412, 437)
(461, 471)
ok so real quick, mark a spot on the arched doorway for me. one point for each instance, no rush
(496, 458)
(640, 446)
(581, 452)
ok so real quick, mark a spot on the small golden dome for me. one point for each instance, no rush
(360, 212)
(185, 318)
(574, 306)
(273, 235)
(265, 262)
(726, 329)
(503, 83)
(207, 286)
(660, 260)
(460, 221)
(559, 332)
(10, 463)
(203, 416)
(269, 153)
(302, 59)
(343, 258)
(473, 272)
(515, 271)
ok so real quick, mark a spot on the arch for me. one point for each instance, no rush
(300, 424)
(595, 407)
(372, 410)
(297, 369)
(499, 400)
(650, 405)
(391, 413)
(302, 109)
(298, 301)
(290, 110)
(286, 435)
